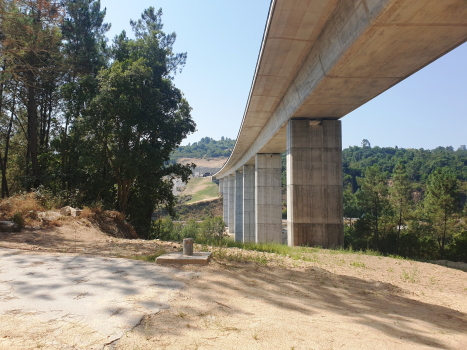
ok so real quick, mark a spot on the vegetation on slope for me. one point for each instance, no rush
(205, 148)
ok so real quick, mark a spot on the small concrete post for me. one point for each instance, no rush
(188, 246)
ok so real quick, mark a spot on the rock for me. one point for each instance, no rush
(49, 216)
(69, 211)
(9, 226)
(452, 264)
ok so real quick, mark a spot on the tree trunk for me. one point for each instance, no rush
(32, 126)
(444, 234)
(399, 231)
(376, 224)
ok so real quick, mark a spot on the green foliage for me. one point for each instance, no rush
(205, 148)
(208, 231)
(18, 219)
(442, 201)
(373, 197)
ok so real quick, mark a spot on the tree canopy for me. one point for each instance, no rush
(92, 122)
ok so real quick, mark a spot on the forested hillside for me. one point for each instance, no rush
(205, 148)
(409, 202)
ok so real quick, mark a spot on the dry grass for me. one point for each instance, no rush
(24, 208)
(25, 205)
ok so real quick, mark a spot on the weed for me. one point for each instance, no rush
(410, 276)
(390, 269)
(152, 257)
(181, 314)
(18, 219)
(358, 264)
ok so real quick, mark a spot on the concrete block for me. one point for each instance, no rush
(198, 258)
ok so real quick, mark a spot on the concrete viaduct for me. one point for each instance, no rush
(320, 60)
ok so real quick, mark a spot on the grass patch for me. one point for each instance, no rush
(209, 190)
(150, 257)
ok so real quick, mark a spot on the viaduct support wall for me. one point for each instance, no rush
(239, 206)
(249, 203)
(268, 198)
(232, 203)
(225, 199)
(314, 183)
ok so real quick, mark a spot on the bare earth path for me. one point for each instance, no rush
(330, 301)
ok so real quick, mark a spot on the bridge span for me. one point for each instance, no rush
(319, 60)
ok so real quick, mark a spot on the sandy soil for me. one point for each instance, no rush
(326, 300)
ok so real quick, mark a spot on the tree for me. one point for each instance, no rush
(366, 143)
(373, 197)
(139, 117)
(400, 197)
(441, 202)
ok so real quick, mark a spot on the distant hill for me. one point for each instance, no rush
(205, 148)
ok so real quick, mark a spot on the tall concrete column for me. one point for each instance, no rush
(268, 195)
(314, 183)
(232, 203)
(225, 195)
(221, 189)
(239, 206)
(249, 203)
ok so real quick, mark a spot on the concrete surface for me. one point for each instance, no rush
(239, 206)
(225, 200)
(268, 198)
(314, 183)
(232, 203)
(325, 58)
(249, 203)
(198, 258)
(109, 295)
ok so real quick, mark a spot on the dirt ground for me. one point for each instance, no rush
(332, 300)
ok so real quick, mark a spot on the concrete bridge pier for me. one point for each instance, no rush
(225, 199)
(314, 183)
(268, 198)
(231, 204)
(239, 206)
(249, 203)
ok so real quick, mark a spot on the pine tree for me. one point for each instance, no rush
(400, 197)
(373, 196)
(441, 202)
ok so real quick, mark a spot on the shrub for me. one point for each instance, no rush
(457, 251)
(18, 219)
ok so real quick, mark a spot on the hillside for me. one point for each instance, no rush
(205, 148)
(200, 189)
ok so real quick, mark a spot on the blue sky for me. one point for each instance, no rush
(223, 38)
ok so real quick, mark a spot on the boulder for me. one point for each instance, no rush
(49, 216)
(69, 211)
(9, 226)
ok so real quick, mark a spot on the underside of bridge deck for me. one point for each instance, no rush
(320, 60)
